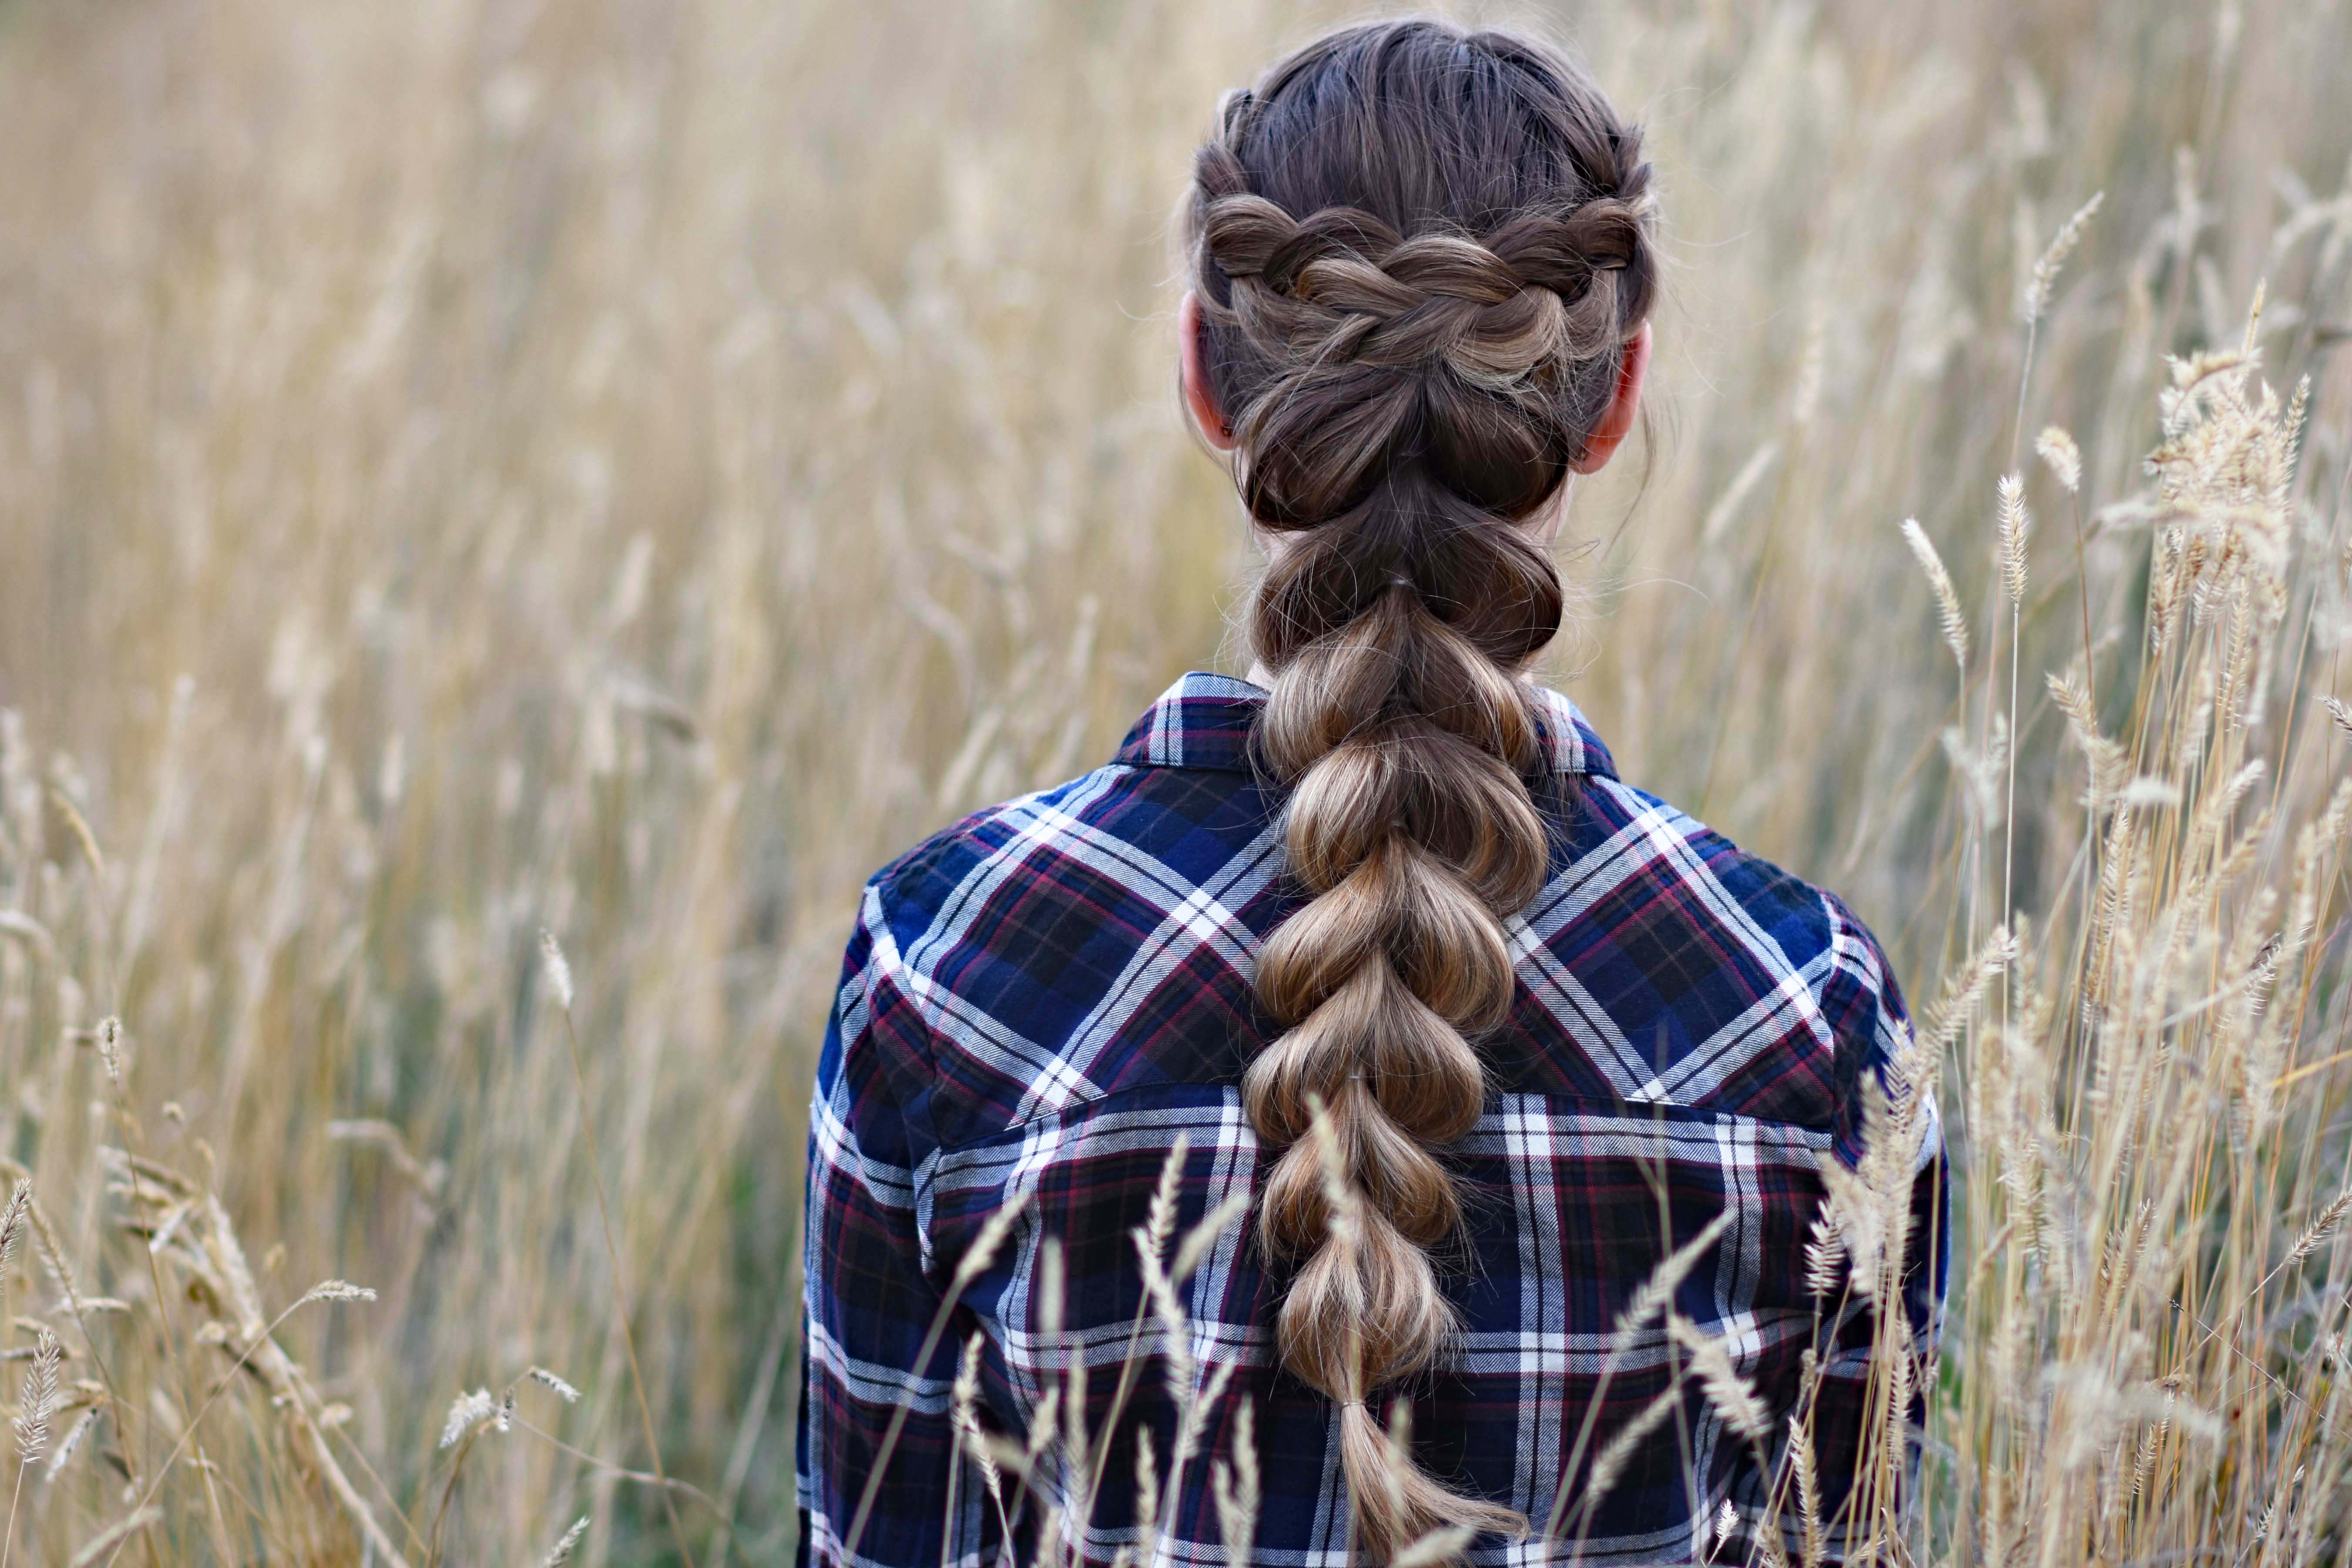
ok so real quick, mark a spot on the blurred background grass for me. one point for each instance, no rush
(631, 467)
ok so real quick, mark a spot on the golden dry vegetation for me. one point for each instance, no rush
(475, 467)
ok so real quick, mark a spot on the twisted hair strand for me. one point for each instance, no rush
(1419, 253)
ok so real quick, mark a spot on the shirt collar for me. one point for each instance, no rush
(1205, 720)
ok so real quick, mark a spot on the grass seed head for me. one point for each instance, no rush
(563, 1391)
(1949, 614)
(984, 1246)
(2045, 278)
(38, 1402)
(563, 1548)
(13, 1220)
(2329, 1221)
(2016, 526)
(467, 1414)
(337, 1291)
(53, 1254)
(109, 1047)
(74, 1435)
(559, 969)
(2058, 450)
(99, 1548)
(965, 1405)
(1234, 1485)
(1445, 1544)
(1732, 1395)
(1824, 1260)
(1609, 1465)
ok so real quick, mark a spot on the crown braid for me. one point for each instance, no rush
(1419, 253)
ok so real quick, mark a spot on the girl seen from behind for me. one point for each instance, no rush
(1378, 924)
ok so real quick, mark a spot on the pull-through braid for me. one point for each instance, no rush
(1419, 254)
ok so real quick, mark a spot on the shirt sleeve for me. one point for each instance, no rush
(870, 1301)
(1873, 1035)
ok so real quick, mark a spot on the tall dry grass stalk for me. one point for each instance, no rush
(473, 468)
(2140, 1365)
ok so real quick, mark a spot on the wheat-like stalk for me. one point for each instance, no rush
(1649, 1299)
(2016, 527)
(1235, 1486)
(558, 976)
(2057, 448)
(2044, 276)
(1146, 1499)
(561, 1553)
(558, 967)
(563, 1391)
(468, 1413)
(1732, 1395)
(109, 1046)
(993, 1231)
(1824, 1260)
(2326, 1225)
(36, 1403)
(13, 1220)
(1609, 1465)
(964, 1404)
(1806, 1474)
(1445, 1544)
(107, 1542)
(1949, 614)
(72, 1442)
(332, 1291)
(2108, 763)
(77, 826)
(53, 1254)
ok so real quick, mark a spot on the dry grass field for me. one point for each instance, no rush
(626, 467)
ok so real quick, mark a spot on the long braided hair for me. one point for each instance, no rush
(1420, 253)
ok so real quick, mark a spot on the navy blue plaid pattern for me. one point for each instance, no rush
(1038, 1002)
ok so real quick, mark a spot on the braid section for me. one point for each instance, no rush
(1418, 254)
(1410, 826)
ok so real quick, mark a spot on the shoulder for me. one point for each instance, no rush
(1178, 784)
(949, 889)
(1727, 885)
(1052, 948)
(922, 877)
(1045, 889)
(1123, 831)
(1774, 994)
(1647, 840)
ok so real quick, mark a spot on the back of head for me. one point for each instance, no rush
(1420, 253)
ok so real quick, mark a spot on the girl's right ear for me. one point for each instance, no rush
(1200, 398)
(1617, 419)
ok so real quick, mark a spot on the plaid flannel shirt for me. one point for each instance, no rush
(1038, 1001)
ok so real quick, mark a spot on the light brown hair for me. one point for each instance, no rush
(1420, 253)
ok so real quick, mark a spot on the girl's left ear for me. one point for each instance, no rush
(1200, 398)
(1617, 420)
